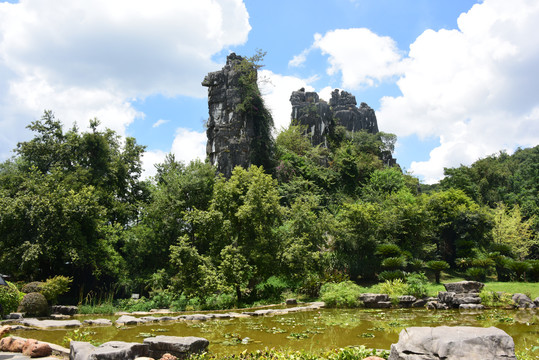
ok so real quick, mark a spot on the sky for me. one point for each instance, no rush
(455, 80)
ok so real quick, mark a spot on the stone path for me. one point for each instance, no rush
(19, 356)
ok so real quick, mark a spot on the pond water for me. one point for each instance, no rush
(317, 330)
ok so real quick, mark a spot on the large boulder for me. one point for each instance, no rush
(375, 300)
(522, 301)
(112, 350)
(464, 287)
(180, 347)
(50, 324)
(34, 348)
(452, 343)
(64, 310)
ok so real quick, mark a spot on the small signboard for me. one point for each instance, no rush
(135, 296)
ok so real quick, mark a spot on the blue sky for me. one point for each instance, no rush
(453, 79)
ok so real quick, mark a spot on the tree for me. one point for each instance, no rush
(511, 230)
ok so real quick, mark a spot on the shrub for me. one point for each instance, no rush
(520, 268)
(54, 287)
(34, 304)
(272, 288)
(394, 263)
(394, 288)
(391, 275)
(437, 266)
(476, 273)
(388, 250)
(220, 301)
(343, 294)
(533, 273)
(10, 297)
(34, 286)
(495, 299)
(417, 284)
(416, 265)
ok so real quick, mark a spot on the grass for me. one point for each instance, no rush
(530, 289)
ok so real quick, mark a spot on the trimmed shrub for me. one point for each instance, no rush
(388, 250)
(31, 287)
(391, 275)
(394, 263)
(437, 266)
(416, 265)
(34, 304)
(477, 274)
(343, 294)
(10, 297)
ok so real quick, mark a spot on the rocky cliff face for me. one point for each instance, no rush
(235, 137)
(320, 117)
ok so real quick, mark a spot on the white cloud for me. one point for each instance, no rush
(159, 123)
(299, 59)
(474, 87)
(188, 145)
(276, 90)
(92, 58)
(362, 57)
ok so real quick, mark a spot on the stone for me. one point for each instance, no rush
(522, 301)
(4, 330)
(380, 301)
(168, 356)
(291, 302)
(50, 324)
(464, 287)
(234, 136)
(100, 322)
(180, 347)
(452, 343)
(406, 300)
(15, 316)
(59, 317)
(12, 344)
(471, 307)
(419, 303)
(112, 350)
(536, 301)
(34, 348)
(373, 358)
(64, 310)
(129, 320)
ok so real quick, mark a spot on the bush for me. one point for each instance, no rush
(437, 266)
(54, 287)
(495, 299)
(34, 286)
(10, 297)
(533, 273)
(417, 285)
(416, 265)
(394, 263)
(520, 268)
(220, 302)
(477, 274)
(130, 305)
(272, 288)
(391, 275)
(34, 304)
(394, 288)
(343, 294)
(388, 250)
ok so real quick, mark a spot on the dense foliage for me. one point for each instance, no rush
(74, 206)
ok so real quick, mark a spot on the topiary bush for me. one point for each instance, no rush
(10, 297)
(34, 286)
(34, 304)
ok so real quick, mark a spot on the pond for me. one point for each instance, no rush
(316, 330)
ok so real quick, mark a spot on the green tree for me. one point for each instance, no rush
(512, 230)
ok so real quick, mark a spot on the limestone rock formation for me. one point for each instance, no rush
(320, 117)
(236, 135)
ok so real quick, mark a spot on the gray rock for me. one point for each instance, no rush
(233, 136)
(101, 322)
(446, 297)
(464, 287)
(523, 301)
(291, 302)
(419, 303)
(471, 307)
(536, 301)
(129, 320)
(452, 343)
(15, 316)
(113, 350)
(180, 347)
(49, 324)
(64, 310)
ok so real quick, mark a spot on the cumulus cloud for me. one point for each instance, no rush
(362, 57)
(473, 87)
(188, 145)
(276, 90)
(84, 59)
